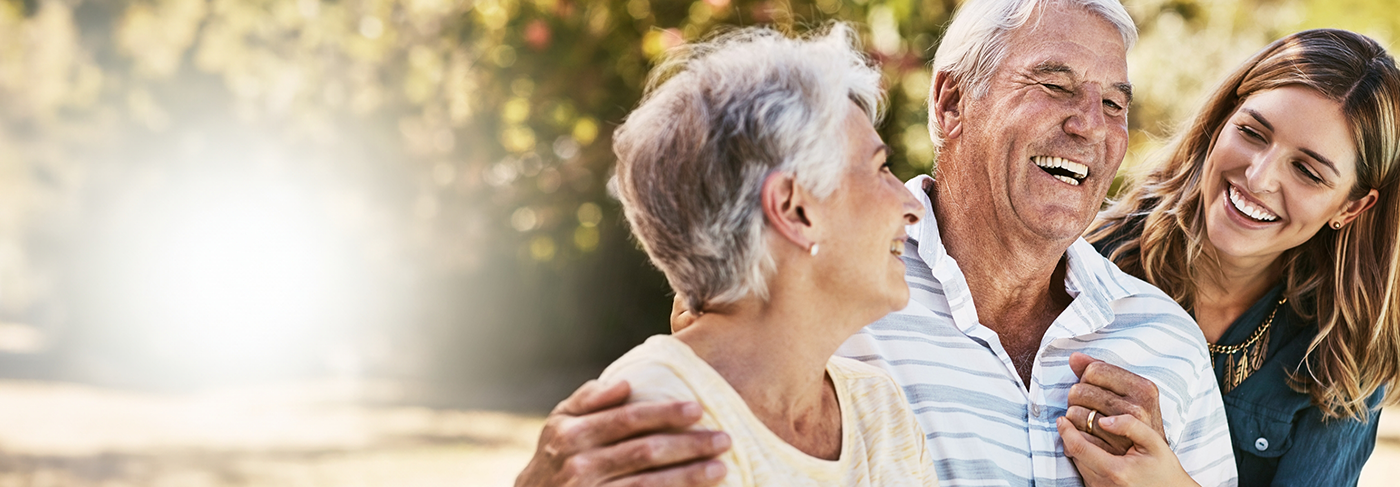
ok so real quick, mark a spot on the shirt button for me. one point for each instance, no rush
(1261, 444)
(1035, 410)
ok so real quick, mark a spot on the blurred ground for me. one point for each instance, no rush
(322, 434)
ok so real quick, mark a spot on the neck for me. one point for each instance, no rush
(1005, 270)
(739, 343)
(774, 354)
(1231, 285)
(1016, 279)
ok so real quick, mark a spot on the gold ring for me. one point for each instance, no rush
(1090, 422)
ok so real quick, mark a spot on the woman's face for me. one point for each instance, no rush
(865, 216)
(1282, 168)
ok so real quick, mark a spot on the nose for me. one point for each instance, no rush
(1086, 119)
(913, 209)
(1260, 176)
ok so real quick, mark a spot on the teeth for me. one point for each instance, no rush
(1250, 209)
(1069, 180)
(897, 247)
(1080, 171)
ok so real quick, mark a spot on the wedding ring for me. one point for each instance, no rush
(1090, 421)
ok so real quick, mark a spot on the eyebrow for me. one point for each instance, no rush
(1126, 89)
(1056, 67)
(882, 148)
(1311, 153)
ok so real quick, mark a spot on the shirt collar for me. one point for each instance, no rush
(1091, 279)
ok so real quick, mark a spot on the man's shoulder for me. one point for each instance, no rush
(1126, 293)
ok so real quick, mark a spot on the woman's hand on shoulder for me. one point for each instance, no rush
(1148, 462)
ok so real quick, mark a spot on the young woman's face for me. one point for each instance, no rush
(1281, 170)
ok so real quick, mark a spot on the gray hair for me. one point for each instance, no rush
(974, 44)
(717, 118)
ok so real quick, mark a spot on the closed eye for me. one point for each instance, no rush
(1055, 88)
(1250, 133)
(1303, 168)
(1112, 106)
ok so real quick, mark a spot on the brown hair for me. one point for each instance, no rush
(1346, 279)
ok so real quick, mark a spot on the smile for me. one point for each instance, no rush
(1065, 170)
(1251, 210)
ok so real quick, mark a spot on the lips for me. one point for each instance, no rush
(1064, 170)
(1249, 207)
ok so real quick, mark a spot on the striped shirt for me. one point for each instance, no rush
(983, 425)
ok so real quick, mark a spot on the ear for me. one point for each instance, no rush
(1354, 208)
(946, 105)
(783, 206)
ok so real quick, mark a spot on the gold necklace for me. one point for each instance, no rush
(1251, 352)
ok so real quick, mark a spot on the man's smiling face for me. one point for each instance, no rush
(1049, 134)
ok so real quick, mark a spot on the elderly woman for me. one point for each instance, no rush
(753, 176)
(1275, 219)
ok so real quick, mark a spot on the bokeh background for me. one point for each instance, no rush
(367, 242)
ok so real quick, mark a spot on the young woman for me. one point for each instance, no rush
(754, 178)
(1275, 219)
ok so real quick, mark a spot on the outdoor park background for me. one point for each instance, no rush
(367, 242)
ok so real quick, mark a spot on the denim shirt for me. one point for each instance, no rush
(1280, 438)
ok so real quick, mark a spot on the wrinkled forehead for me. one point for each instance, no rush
(1071, 36)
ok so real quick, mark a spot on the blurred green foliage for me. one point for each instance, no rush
(462, 146)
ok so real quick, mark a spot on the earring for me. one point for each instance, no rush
(813, 249)
(1336, 225)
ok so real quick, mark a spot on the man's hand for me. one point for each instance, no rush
(1111, 391)
(594, 438)
(680, 317)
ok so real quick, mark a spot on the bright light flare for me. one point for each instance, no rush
(228, 278)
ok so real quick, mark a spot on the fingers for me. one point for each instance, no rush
(593, 396)
(1078, 362)
(1078, 446)
(1118, 381)
(1142, 436)
(1111, 443)
(1090, 396)
(1112, 390)
(644, 456)
(695, 474)
(680, 316)
(619, 423)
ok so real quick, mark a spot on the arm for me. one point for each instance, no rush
(1149, 462)
(594, 438)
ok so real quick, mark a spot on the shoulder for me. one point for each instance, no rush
(662, 368)
(854, 370)
(873, 384)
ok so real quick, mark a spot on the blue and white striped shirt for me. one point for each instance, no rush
(983, 426)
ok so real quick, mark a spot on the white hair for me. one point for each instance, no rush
(718, 117)
(974, 44)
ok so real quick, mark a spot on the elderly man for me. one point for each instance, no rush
(1029, 109)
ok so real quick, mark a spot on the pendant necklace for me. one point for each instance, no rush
(1250, 353)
